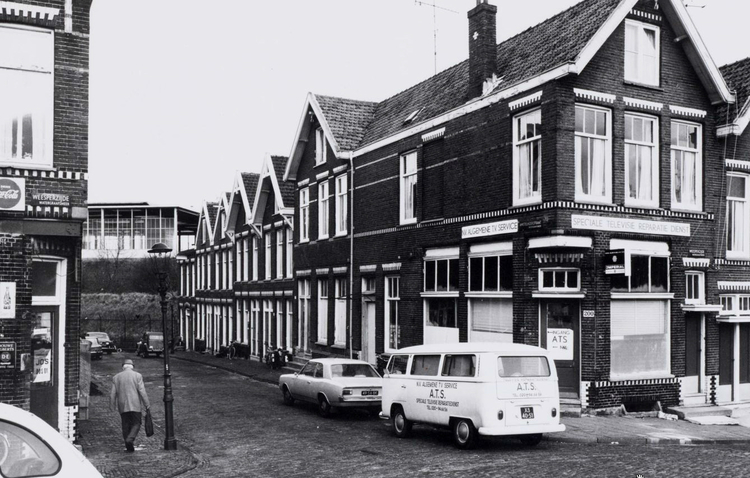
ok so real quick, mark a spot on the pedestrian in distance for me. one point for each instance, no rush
(128, 397)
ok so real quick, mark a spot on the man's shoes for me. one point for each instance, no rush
(129, 448)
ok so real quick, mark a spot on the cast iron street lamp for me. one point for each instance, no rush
(160, 254)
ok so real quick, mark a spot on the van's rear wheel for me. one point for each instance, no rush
(464, 434)
(531, 440)
(401, 424)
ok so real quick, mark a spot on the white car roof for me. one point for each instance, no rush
(338, 361)
(474, 347)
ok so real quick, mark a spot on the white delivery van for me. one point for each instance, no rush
(475, 389)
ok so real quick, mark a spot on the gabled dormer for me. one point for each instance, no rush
(240, 206)
(272, 189)
(204, 234)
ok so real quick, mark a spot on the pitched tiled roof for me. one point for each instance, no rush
(541, 48)
(347, 119)
(212, 208)
(250, 181)
(737, 76)
(286, 188)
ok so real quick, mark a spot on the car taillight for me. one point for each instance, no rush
(500, 414)
(347, 392)
(554, 412)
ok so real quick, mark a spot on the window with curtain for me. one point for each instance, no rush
(641, 161)
(323, 311)
(527, 158)
(341, 205)
(256, 246)
(408, 200)
(323, 193)
(267, 262)
(304, 214)
(392, 328)
(738, 216)
(695, 291)
(648, 274)
(639, 340)
(687, 166)
(26, 116)
(339, 334)
(593, 155)
(320, 146)
(289, 251)
(641, 53)
(279, 253)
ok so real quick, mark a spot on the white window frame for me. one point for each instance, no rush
(323, 288)
(303, 312)
(342, 205)
(304, 214)
(289, 252)
(630, 201)
(695, 281)
(323, 209)
(321, 148)
(35, 71)
(391, 297)
(246, 259)
(256, 246)
(741, 226)
(640, 53)
(521, 197)
(279, 253)
(698, 151)
(267, 261)
(341, 288)
(580, 195)
(739, 305)
(407, 179)
(558, 287)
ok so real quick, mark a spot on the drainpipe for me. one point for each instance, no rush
(351, 253)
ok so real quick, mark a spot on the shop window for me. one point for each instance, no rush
(441, 312)
(695, 288)
(648, 274)
(491, 273)
(441, 275)
(559, 280)
(593, 155)
(639, 341)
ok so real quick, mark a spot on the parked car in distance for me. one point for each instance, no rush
(107, 345)
(30, 447)
(151, 343)
(332, 383)
(96, 348)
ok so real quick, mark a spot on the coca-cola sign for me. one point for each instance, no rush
(12, 194)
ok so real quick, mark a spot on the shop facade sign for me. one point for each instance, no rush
(12, 194)
(615, 262)
(490, 229)
(560, 343)
(49, 199)
(7, 300)
(635, 226)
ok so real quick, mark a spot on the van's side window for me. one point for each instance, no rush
(425, 365)
(459, 365)
(397, 365)
(522, 367)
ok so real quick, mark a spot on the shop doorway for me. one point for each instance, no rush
(368, 330)
(734, 362)
(559, 334)
(46, 364)
(693, 383)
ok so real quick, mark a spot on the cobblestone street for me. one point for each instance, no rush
(228, 425)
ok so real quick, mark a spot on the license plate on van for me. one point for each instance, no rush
(527, 413)
(369, 392)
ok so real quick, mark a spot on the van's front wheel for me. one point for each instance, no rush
(464, 434)
(401, 424)
(531, 440)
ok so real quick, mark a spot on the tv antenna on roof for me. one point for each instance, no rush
(691, 3)
(434, 24)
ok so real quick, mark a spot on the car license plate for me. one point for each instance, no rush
(369, 392)
(527, 413)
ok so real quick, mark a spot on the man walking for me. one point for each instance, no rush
(127, 395)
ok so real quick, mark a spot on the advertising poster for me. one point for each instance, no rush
(7, 300)
(7, 355)
(560, 343)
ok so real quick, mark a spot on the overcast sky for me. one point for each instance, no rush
(184, 93)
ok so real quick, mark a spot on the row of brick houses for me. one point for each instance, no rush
(44, 73)
(580, 186)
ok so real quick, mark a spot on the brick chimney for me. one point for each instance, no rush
(482, 46)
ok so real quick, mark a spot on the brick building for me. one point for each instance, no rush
(43, 188)
(555, 189)
(237, 284)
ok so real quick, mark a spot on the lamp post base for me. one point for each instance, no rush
(170, 443)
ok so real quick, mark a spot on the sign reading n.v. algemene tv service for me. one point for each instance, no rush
(12, 194)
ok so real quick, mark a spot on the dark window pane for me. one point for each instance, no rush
(573, 279)
(429, 275)
(442, 275)
(547, 281)
(442, 312)
(639, 274)
(425, 364)
(490, 273)
(619, 283)
(506, 272)
(659, 274)
(44, 278)
(475, 281)
(28, 137)
(559, 279)
(459, 365)
(453, 280)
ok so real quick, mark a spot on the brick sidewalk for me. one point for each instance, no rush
(586, 429)
(101, 440)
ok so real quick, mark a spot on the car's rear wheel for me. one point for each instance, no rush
(288, 398)
(324, 407)
(401, 424)
(531, 440)
(464, 433)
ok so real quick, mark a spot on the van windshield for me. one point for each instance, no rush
(353, 370)
(523, 367)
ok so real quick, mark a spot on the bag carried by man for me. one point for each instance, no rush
(149, 423)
